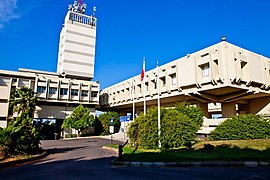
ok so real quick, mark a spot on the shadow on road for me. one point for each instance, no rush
(63, 150)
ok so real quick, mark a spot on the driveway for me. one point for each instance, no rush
(85, 159)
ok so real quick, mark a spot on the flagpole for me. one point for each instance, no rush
(144, 102)
(158, 98)
(133, 103)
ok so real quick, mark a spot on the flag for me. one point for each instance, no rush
(80, 2)
(143, 70)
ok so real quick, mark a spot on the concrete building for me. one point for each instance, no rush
(59, 93)
(222, 78)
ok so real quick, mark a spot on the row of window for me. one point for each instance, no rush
(205, 72)
(64, 91)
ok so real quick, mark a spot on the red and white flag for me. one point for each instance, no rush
(80, 2)
(143, 70)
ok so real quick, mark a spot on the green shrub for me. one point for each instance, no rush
(20, 137)
(194, 113)
(177, 129)
(133, 132)
(148, 128)
(242, 127)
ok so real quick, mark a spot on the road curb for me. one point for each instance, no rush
(194, 164)
(20, 161)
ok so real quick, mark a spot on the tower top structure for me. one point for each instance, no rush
(78, 7)
(76, 56)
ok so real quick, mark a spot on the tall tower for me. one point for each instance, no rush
(76, 56)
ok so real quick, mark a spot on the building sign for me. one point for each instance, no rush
(124, 118)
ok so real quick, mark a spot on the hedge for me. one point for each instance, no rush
(242, 127)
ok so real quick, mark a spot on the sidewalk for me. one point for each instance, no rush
(120, 136)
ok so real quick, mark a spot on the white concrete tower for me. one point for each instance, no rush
(76, 56)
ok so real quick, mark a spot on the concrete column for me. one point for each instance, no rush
(204, 108)
(228, 110)
(243, 108)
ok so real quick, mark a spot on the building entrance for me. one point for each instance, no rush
(49, 129)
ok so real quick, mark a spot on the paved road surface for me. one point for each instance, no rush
(85, 159)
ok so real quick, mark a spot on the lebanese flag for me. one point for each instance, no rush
(143, 70)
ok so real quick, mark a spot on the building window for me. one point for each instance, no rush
(173, 76)
(146, 86)
(4, 81)
(84, 93)
(52, 90)
(205, 70)
(94, 94)
(140, 88)
(74, 92)
(63, 91)
(163, 79)
(243, 64)
(41, 89)
(154, 82)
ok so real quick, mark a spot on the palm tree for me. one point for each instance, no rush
(23, 100)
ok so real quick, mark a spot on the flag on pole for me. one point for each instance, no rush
(80, 2)
(143, 70)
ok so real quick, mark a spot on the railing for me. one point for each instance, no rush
(81, 18)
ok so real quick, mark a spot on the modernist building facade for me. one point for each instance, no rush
(222, 78)
(59, 93)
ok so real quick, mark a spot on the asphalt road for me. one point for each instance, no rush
(85, 159)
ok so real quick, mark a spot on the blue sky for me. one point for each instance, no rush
(127, 30)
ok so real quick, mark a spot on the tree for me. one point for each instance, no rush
(20, 136)
(79, 119)
(105, 121)
(23, 100)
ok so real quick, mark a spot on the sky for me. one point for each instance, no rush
(128, 30)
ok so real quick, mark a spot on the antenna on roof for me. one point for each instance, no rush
(78, 7)
(94, 11)
(223, 38)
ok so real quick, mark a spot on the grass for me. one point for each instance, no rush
(235, 150)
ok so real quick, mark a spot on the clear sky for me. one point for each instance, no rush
(127, 30)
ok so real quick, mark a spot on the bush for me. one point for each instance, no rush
(133, 132)
(192, 112)
(242, 127)
(177, 129)
(148, 128)
(20, 137)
